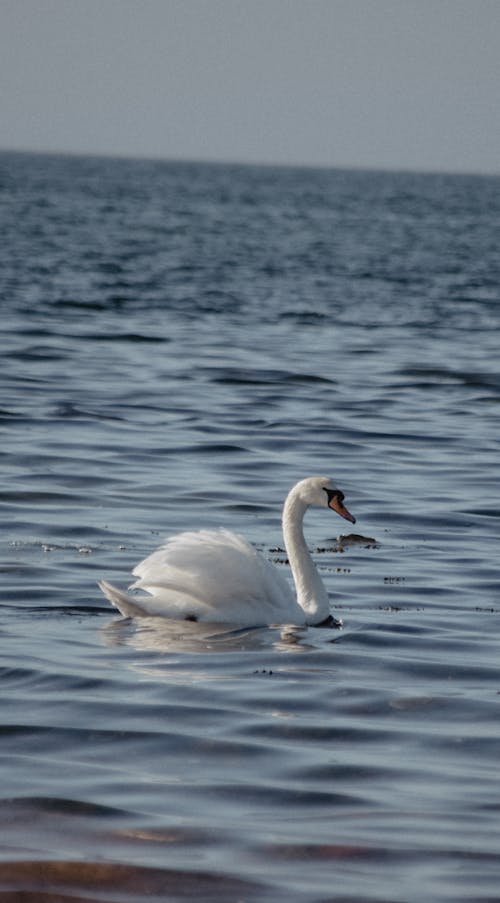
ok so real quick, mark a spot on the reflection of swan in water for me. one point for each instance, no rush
(168, 635)
(216, 575)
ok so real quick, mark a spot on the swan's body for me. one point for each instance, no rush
(216, 575)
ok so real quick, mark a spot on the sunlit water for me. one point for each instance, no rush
(180, 343)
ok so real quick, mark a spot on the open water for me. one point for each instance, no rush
(180, 344)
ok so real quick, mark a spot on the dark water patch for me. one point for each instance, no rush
(437, 377)
(455, 672)
(44, 681)
(274, 796)
(29, 807)
(341, 773)
(484, 512)
(83, 305)
(98, 881)
(200, 449)
(233, 376)
(37, 353)
(314, 734)
(130, 337)
(70, 411)
(47, 740)
(8, 415)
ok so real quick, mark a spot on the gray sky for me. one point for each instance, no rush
(381, 83)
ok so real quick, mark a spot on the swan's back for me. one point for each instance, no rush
(212, 575)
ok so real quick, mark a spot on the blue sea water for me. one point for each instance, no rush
(180, 344)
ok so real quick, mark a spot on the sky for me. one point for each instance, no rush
(398, 84)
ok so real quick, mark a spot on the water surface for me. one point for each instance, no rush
(180, 344)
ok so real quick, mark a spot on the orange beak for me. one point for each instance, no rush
(336, 504)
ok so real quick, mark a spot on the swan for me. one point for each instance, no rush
(216, 575)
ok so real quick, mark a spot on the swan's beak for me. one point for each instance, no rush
(336, 503)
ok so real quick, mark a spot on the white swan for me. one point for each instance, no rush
(216, 575)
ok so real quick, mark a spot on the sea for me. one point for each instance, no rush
(180, 343)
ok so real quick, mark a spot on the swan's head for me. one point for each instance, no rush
(322, 492)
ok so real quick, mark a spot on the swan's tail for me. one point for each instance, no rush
(121, 601)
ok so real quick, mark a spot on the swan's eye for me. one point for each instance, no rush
(334, 493)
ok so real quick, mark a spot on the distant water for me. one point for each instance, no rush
(180, 343)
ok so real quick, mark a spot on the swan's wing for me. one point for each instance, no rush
(213, 575)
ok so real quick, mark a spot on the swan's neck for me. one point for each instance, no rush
(311, 593)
